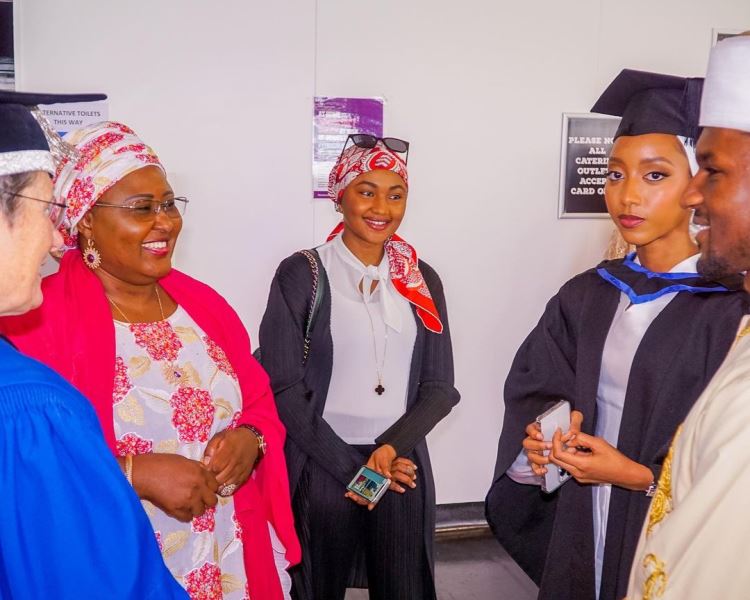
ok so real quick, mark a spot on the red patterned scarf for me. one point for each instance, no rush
(407, 279)
(402, 257)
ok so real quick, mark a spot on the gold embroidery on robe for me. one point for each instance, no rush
(656, 582)
(744, 330)
(661, 503)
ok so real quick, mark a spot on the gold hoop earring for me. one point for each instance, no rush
(91, 256)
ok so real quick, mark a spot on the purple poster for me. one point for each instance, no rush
(334, 120)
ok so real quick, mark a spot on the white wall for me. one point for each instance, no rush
(223, 91)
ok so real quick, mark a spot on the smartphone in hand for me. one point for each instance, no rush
(549, 421)
(369, 484)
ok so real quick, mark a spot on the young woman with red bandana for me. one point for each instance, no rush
(375, 376)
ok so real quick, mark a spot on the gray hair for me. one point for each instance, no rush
(10, 185)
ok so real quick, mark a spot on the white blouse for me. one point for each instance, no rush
(372, 331)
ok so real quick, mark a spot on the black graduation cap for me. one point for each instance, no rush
(21, 135)
(652, 103)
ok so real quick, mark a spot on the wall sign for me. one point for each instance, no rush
(7, 60)
(334, 120)
(75, 115)
(586, 143)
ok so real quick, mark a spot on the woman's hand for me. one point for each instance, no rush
(593, 460)
(535, 445)
(181, 487)
(384, 461)
(404, 472)
(359, 500)
(381, 460)
(231, 454)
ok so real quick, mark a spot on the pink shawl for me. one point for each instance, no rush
(72, 332)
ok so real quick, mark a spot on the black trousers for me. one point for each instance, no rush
(339, 537)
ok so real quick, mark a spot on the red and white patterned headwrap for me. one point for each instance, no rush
(355, 160)
(106, 152)
(402, 257)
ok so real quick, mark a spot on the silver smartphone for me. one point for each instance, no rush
(369, 485)
(549, 421)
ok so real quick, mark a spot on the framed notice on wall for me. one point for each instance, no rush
(586, 142)
(7, 57)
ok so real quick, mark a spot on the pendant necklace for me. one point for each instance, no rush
(379, 365)
(128, 321)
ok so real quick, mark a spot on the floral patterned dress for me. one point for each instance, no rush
(175, 389)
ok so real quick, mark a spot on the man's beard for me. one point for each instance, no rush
(714, 267)
(724, 270)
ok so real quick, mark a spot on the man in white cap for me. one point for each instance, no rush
(694, 543)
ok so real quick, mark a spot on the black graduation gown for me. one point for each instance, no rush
(551, 536)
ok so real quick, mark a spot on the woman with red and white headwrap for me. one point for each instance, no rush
(361, 375)
(166, 363)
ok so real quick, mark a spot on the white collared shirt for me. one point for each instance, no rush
(353, 409)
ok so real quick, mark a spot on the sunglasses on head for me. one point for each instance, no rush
(365, 140)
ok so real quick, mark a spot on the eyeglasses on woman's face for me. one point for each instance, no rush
(54, 210)
(146, 210)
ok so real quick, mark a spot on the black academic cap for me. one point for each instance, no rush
(652, 103)
(22, 139)
(33, 99)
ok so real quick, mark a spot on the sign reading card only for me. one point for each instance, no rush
(586, 143)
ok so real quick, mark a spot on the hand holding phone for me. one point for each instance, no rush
(557, 417)
(369, 485)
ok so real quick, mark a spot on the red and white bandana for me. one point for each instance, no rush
(107, 152)
(355, 160)
(402, 257)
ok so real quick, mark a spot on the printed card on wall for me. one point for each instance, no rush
(586, 143)
(334, 119)
(66, 117)
(7, 58)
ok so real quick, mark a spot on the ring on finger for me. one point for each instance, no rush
(227, 489)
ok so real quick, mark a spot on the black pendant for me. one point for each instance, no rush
(379, 390)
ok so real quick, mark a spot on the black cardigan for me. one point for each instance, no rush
(561, 358)
(301, 390)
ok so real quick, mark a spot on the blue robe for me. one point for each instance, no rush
(70, 524)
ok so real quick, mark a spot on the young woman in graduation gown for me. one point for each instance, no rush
(378, 377)
(630, 344)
